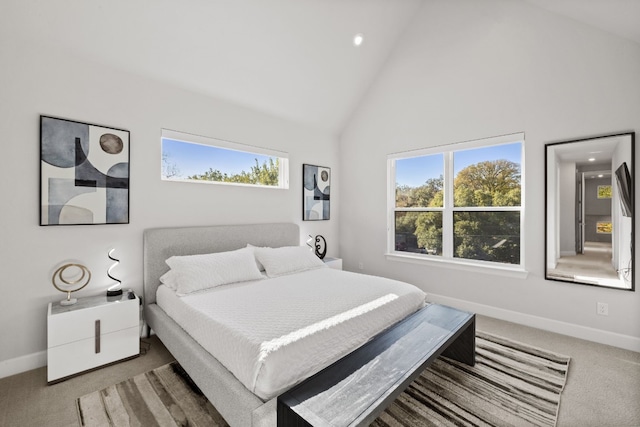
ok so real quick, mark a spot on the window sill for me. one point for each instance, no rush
(501, 270)
(232, 184)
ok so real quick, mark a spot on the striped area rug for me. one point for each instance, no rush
(512, 384)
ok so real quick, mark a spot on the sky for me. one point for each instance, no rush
(415, 171)
(194, 159)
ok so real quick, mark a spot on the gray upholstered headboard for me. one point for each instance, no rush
(162, 243)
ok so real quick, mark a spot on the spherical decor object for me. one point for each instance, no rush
(70, 278)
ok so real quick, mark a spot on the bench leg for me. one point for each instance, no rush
(463, 349)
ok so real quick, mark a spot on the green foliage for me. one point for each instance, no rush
(490, 235)
(487, 236)
(265, 174)
(488, 183)
(426, 226)
(406, 221)
(429, 232)
(427, 195)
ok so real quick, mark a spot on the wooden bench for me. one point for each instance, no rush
(357, 388)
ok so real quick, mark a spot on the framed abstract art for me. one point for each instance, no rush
(84, 173)
(316, 192)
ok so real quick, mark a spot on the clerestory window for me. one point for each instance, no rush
(199, 159)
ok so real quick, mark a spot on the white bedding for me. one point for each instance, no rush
(273, 333)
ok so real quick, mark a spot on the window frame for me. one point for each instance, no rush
(447, 259)
(283, 168)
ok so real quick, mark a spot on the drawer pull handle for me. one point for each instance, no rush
(97, 336)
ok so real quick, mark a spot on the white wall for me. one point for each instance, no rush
(36, 79)
(622, 224)
(552, 210)
(467, 70)
(567, 203)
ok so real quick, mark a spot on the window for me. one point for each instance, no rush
(459, 203)
(194, 158)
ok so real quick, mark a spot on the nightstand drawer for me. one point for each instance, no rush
(74, 326)
(95, 331)
(78, 356)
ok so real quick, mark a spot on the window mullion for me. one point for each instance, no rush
(391, 202)
(447, 214)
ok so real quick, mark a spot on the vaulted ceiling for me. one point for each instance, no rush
(291, 58)
(619, 17)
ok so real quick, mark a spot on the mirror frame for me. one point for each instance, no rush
(550, 150)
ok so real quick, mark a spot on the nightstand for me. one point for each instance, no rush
(93, 332)
(333, 263)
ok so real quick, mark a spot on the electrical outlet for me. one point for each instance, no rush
(602, 308)
(361, 266)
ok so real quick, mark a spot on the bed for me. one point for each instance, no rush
(239, 361)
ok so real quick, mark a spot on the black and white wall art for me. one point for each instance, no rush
(84, 173)
(316, 192)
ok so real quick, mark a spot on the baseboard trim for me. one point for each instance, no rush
(23, 364)
(583, 332)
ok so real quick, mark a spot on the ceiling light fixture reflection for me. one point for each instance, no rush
(358, 39)
(592, 159)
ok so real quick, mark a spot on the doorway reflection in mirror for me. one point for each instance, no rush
(589, 211)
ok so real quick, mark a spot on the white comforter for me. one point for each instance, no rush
(273, 333)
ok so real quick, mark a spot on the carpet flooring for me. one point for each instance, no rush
(512, 384)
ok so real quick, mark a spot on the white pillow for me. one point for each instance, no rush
(197, 272)
(258, 263)
(169, 280)
(287, 260)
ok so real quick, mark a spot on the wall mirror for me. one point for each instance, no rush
(590, 211)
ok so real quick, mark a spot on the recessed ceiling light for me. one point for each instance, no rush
(600, 176)
(592, 159)
(358, 39)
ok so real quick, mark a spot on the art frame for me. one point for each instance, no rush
(84, 173)
(316, 193)
(603, 192)
(604, 227)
